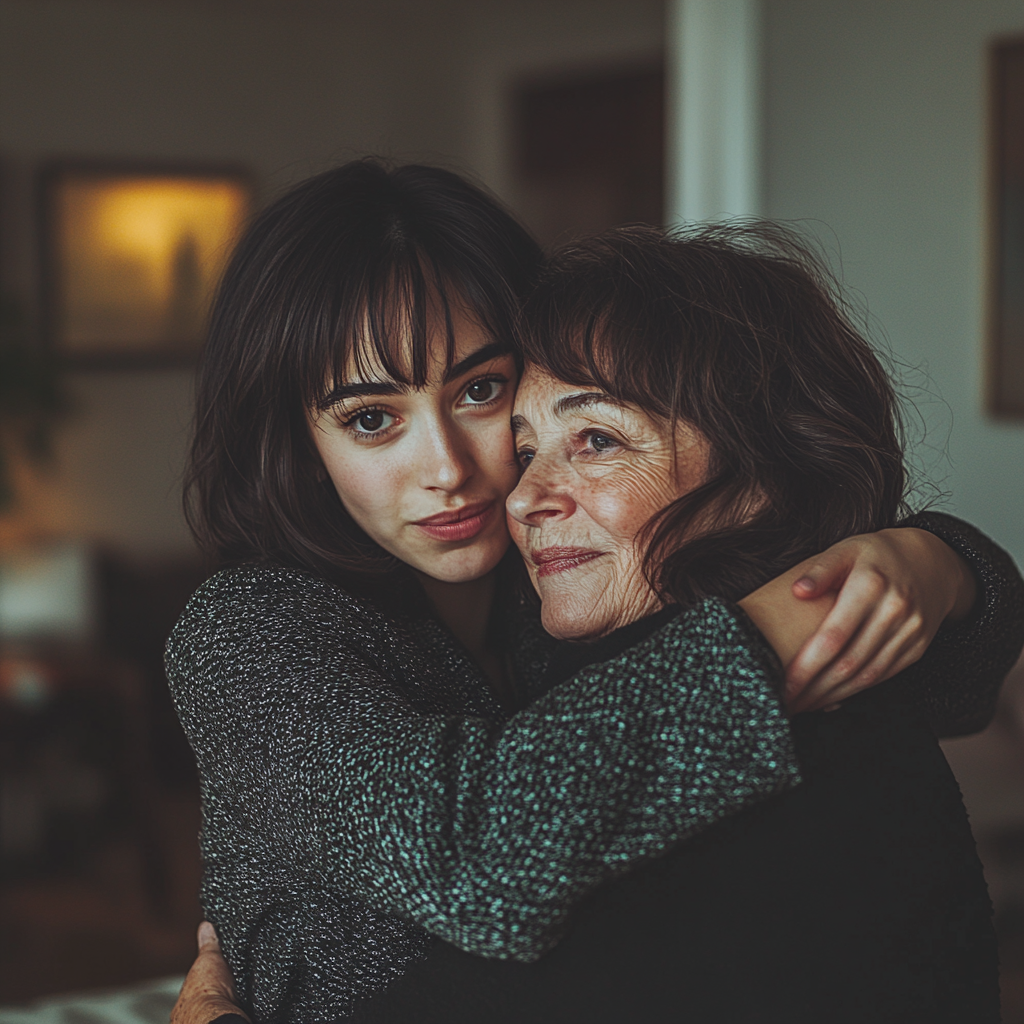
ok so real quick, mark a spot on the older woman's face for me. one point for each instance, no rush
(595, 471)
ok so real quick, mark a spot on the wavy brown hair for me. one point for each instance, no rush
(742, 333)
(344, 265)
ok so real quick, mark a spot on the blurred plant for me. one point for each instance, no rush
(32, 398)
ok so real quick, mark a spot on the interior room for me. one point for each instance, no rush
(136, 138)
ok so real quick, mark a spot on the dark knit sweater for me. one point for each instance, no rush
(363, 790)
(856, 897)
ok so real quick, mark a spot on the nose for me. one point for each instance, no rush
(543, 494)
(446, 458)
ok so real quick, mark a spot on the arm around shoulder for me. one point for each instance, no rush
(483, 832)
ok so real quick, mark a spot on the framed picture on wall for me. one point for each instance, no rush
(1006, 232)
(131, 256)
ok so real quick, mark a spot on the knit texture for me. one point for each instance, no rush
(363, 790)
(957, 681)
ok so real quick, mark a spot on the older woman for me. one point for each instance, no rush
(709, 389)
(348, 685)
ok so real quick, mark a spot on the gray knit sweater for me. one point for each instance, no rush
(362, 789)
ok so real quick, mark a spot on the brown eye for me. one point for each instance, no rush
(371, 421)
(482, 391)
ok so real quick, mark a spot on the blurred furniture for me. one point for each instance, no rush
(74, 768)
(88, 737)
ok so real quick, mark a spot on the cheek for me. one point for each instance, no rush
(368, 487)
(623, 504)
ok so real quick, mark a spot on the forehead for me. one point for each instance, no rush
(537, 384)
(545, 403)
(541, 395)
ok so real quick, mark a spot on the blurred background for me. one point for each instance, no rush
(135, 135)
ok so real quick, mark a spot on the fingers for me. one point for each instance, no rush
(207, 939)
(826, 572)
(210, 967)
(859, 644)
(865, 664)
(209, 990)
(858, 602)
(900, 651)
(867, 659)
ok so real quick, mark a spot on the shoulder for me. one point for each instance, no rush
(270, 591)
(256, 608)
(265, 585)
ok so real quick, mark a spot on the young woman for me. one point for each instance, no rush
(360, 689)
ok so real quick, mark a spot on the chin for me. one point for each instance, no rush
(466, 565)
(565, 622)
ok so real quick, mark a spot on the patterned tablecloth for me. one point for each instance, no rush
(148, 1003)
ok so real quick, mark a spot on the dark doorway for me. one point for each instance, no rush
(589, 151)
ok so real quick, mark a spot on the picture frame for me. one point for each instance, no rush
(1005, 398)
(131, 255)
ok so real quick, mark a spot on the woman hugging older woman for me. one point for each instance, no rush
(416, 807)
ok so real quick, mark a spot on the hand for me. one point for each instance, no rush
(896, 588)
(209, 990)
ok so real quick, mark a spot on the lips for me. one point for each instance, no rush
(562, 559)
(458, 524)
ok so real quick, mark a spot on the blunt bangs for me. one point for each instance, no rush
(342, 277)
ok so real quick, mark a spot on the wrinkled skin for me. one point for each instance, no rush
(595, 471)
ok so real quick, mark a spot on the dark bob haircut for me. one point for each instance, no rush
(740, 332)
(343, 269)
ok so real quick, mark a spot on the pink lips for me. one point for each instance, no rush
(552, 560)
(459, 524)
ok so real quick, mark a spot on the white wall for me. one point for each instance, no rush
(287, 87)
(875, 133)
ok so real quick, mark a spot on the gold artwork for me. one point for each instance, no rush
(136, 259)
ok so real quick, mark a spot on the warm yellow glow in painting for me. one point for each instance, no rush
(138, 259)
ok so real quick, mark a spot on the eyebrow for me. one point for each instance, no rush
(374, 389)
(584, 400)
(371, 390)
(570, 403)
(481, 355)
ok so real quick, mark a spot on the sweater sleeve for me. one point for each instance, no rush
(957, 681)
(482, 832)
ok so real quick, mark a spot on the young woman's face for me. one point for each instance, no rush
(595, 472)
(425, 472)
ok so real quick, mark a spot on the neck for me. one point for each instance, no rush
(465, 608)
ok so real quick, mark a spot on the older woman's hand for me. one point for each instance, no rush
(895, 589)
(209, 990)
